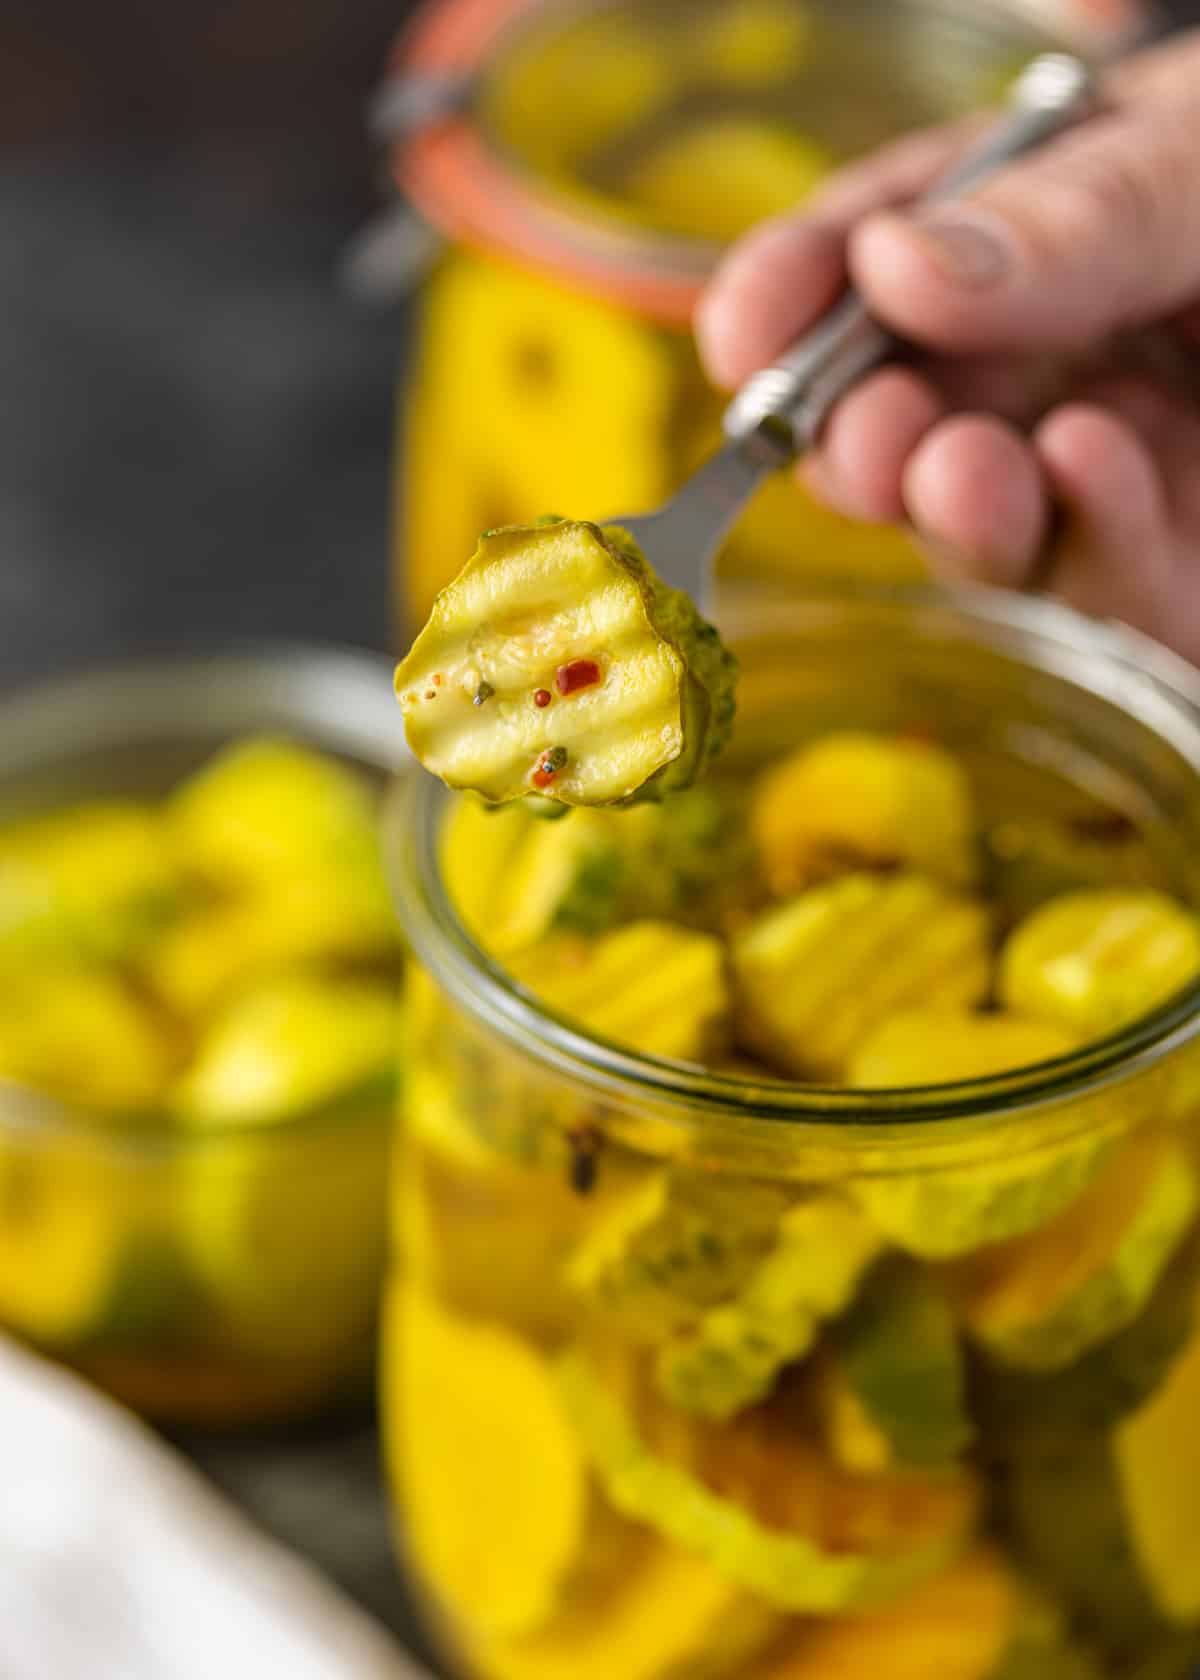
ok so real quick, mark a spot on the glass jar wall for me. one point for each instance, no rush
(603, 157)
(694, 1372)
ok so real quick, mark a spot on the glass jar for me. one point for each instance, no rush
(205, 1275)
(587, 163)
(564, 1511)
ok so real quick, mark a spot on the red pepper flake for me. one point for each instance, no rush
(541, 698)
(580, 673)
(542, 777)
(437, 679)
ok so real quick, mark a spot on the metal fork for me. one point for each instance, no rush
(778, 413)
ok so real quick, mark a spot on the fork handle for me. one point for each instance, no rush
(797, 392)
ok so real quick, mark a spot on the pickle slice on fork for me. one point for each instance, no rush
(558, 665)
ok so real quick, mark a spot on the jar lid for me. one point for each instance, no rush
(618, 145)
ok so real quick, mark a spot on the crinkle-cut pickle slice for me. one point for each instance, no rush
(267, 808)
(897, 1353)
(653, 986)
(974, 1621)
(557, 664)
(853, 800)
(947, 1211)
(496, 1494)
(95, 879)
(669, 1616)
(814, 976)
(757, 1497)
(1043, 1300)
(1097, 960)
(822, 1248)
(672, 1246)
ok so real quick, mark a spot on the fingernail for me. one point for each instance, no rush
(969, 251)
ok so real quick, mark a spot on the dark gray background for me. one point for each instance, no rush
(194, 424)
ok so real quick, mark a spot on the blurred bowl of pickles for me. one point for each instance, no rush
(199, 1028)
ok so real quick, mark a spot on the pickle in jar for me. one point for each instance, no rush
(951, 1210)
(716, 177)
(1019, 1410)
(1043, 1300)
(515, 879)
(668, 1615)
(672, 1246)
(816, 975)
(268, 809)
(91, 882)
(652, 986)
(977, 1620)
(730, 1358)
(291, 1267)
(84, 1036)
(1095, 960)
(498, 1499)
(757, 1495)
(853, 801)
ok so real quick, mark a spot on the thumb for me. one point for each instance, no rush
(1100, 231)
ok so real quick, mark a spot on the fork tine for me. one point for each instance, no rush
(681, 539)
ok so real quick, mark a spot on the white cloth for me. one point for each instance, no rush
(119, 1562)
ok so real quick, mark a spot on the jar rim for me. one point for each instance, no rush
(1137, 667)
(453, 173)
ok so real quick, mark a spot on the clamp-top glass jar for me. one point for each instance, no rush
(693, 1372)
(588, 162)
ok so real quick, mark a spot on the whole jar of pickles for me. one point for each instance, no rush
(199, 1015)
(797, 1225)
(588, 163)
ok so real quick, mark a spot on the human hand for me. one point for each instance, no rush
(1048, 433)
